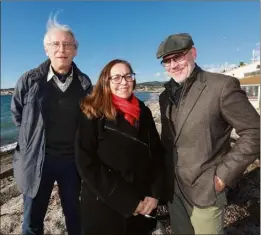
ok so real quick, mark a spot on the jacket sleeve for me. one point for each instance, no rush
(168, 157)
(17, 101)
(240, 114)
(109, 187)
(157, 153)
(166, 136)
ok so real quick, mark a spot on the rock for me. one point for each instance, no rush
(241, 214)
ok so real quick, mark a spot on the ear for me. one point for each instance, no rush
(194, 52)
(75, 52)
(46, 50)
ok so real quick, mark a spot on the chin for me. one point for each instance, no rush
(124, 96)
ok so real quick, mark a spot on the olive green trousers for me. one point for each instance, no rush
(187, 219)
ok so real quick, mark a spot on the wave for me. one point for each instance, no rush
(8, 147)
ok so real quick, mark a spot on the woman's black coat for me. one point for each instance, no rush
(119, 165)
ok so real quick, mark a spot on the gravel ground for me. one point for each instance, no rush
(242, 214)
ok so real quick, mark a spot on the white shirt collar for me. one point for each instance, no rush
(51, 74)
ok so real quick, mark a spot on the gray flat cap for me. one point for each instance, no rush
(174, 44)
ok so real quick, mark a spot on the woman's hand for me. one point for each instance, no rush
(139, 208)
(149, 204)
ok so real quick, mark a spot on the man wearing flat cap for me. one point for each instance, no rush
(199, 109)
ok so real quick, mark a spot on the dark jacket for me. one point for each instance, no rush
(27, 113)
(119, 166)
(196, 135)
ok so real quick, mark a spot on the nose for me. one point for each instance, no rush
(173, 64)
(123, 80)
(61, 47)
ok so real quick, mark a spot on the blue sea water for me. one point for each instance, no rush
(8, 129)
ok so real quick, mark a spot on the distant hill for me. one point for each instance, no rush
(153, 83)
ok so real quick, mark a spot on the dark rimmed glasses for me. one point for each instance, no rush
(178, 58)
(116, 79)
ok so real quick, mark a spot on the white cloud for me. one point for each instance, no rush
(219, 68)
(162, 76)
(256, 52)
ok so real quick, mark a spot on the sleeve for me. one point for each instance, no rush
(240, 114)
(168, 157)
(157, 153)
(166, 136)
(104, 182)
(17, 101)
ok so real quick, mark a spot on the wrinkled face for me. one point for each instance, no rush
(180, 66)
(121, 81)
(61, 50)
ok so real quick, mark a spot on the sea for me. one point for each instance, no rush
(9, 131)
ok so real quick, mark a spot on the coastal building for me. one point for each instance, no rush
(251, 85)
(246, 70)
(249, 77)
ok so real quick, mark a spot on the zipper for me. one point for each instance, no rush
(124, 134)
(180, 99)
(175, 121)
(43, 148)
(149, 145)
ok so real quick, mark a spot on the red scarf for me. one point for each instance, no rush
(130, 108)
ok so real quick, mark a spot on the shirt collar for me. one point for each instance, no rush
(51, 74)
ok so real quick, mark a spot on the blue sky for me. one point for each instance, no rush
(224, 34)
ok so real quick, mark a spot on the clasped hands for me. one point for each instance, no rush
(146, 206)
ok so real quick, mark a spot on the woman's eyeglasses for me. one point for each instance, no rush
(116, 79)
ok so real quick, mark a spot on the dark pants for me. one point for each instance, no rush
(65, 173)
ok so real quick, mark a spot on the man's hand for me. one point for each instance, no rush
(219, 184)
(149, 205)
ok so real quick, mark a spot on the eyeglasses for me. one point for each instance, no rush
(56, 45)
(116, 79)
(178, 58)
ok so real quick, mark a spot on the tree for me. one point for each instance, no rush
(241, 64)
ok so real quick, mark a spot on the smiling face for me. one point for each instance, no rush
(122, 88)
(61, 49)
(180, 68)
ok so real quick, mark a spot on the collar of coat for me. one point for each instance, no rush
(42, 71)
(173, 84)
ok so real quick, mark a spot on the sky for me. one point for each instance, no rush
(224, 33)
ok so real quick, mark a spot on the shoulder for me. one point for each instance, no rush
(218, 78)
(143, 106)
(81, 75)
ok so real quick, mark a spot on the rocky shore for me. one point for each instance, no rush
(241, 217)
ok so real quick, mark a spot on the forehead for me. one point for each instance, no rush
(119, 69)
(59, 35)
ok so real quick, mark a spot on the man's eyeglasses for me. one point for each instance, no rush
(116, 79)
(178, 58)
(67, 45)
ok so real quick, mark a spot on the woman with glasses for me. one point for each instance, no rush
(118, 157)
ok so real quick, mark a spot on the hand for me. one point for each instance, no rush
(219, 184)
(150, 204)
(139, 208)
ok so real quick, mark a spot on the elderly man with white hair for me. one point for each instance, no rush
(45, 108)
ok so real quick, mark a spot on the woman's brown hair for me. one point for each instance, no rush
(99, 102)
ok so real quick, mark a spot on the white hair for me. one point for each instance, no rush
(53, 25)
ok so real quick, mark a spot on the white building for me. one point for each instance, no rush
(249, 77)
(245, 71)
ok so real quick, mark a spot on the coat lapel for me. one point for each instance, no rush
(191, 99)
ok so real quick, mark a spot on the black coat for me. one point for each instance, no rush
(119, 165)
